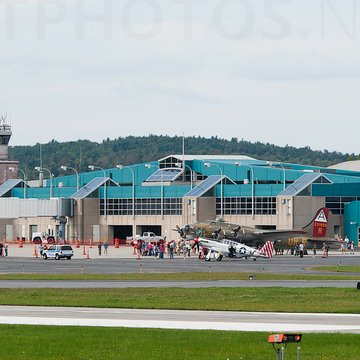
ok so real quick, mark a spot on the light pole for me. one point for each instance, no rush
(92, 168)
(270, 163)
(179, 165)
(77, 175)
(149, 166)
(24, 175)
(40, 170)
(207, 164)
(252, 189)
(120, 167)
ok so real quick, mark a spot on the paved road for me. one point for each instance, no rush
(110, 265)
(173, 319)
(84, 284)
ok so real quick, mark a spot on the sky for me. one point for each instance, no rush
(277, 71)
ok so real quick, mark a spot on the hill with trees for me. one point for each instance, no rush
(137, 149)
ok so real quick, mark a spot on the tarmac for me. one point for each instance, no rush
(28, 250)
(123, 252)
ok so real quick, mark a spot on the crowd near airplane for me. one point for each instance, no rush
(313, 234)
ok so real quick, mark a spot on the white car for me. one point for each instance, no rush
(58, 251)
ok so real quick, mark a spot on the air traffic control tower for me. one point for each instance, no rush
(5, 164)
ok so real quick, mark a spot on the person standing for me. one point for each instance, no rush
(171, 249)
(99, 247)
(324, 250)
(301, 250)
(106, 245)
(161, 251)
(41, 249)
(6, 246)
(314, 250)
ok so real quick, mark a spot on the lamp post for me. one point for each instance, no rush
(24, 175)
(252, 189)
(65, 168)
(179, 165)
(270, 163)
(120, 167)
(92, 168)
(207, 164)
(40, 170)
(149, 166)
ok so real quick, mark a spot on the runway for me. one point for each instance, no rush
(173, 319)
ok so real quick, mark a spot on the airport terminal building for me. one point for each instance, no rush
(108, 204)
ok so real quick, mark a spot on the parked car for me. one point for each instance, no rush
(58, 251)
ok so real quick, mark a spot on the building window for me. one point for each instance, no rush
(171, 206)
(243, 206)
(336, 204)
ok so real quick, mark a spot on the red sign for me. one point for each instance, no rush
(320, 223)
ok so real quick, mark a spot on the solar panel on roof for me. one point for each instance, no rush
(205, 185)
(164, 175)
(9, 185)
(302, 183)
(90, 187)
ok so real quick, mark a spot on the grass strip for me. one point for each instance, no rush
(336, 268)
(200, 276)
(67, 343)
(326, 300)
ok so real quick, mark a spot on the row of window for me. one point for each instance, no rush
(173, 206)
(169, 206)
(336, 204)
(244, 206)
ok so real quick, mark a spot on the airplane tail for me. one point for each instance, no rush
(318, 227)
(267, 249)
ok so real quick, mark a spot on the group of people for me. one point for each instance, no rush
(347, 247)
(155, 249)
(104, 245)
(158, 249)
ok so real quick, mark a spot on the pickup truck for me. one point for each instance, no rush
(147, 236)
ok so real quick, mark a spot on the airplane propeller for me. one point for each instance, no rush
(216, 233)
(236, 231)
(179, 230)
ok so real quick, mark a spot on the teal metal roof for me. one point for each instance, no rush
(90, 187)
(304, 182)
(206, 185)
(8, 185)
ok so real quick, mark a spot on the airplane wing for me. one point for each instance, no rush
(278, 234)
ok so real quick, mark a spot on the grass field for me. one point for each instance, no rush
(209, 276)
(330, 300)
(57, 343)
(44, 342)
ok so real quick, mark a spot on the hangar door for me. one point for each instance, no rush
(121, 232)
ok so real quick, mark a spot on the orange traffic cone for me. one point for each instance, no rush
(35, 252)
